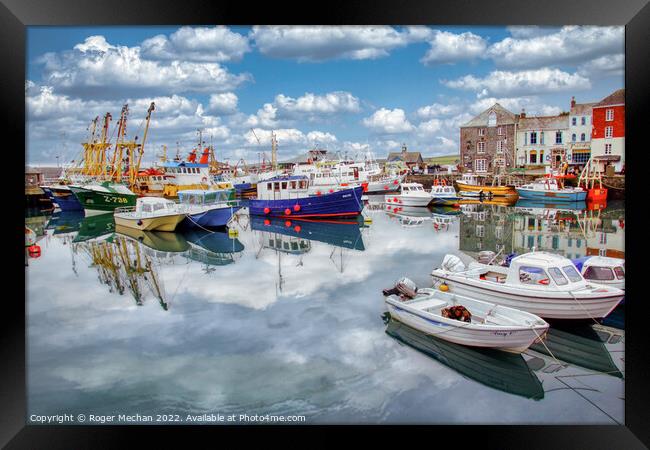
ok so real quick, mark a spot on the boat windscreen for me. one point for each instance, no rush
(599, 273)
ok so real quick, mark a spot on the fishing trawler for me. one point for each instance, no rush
(289, 197)
(102, 197)
(411, 194)
(443, 194)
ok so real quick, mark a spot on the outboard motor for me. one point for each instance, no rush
(405, 288)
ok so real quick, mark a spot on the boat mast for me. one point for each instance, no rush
(274, 152)
(134, 169)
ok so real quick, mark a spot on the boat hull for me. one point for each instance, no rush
(63, 198)
(495, 190)
(212, 218)
(344, 203)
(102, 201)
(554, 196)
(160, 223)
(515, 340)
(556, 305)
(445, 200)
(408, 200)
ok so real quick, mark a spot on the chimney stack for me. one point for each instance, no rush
(573, 102)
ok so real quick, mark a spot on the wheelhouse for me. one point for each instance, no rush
(283, 188)
(544, 269)
(205, 197)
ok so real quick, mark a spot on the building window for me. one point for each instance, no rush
(480, 165)
(582, 137)
(499, 162)
(500, 131)
(481, 132)
(608, 149)
(541, 138)
(609, 115)
(609, 132)
(573, 137)
(541, 156)
(499, 146)
(558, 137)
(533, 157)
(480, 147)
(584, 120)
(574, 121)
(533, 137)
(480, 231)
(492, 119)
(580, 157)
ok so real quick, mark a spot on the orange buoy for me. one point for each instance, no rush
(267, 210)
(297, 229)
(395, 199)
(443, 287)
(385, 187)
(296, 208)
(267, 222)
(287, 223)
(318, 192)
(395, 182)
(287, 212)
(331, 190)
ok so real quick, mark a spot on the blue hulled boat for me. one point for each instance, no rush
(289, 197)
(208, 208)
(549, 190)
(62, 196)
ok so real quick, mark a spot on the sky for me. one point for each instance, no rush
(347, 89)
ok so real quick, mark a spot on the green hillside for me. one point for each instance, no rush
(447, 159)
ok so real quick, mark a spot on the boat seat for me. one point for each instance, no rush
(427, 305)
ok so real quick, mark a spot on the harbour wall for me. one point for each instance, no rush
(615, 184)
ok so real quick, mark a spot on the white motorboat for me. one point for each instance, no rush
(411, 194)
(602, 270)
(443, 194)
(490, 325)
(150, 214)
(541, 283)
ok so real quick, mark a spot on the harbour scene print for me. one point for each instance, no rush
(297, 225)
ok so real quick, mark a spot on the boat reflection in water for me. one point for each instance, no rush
(96, 226)
(165, 247)
(65, 222)
(507, 372)
(123, 265)
(212, 248)
(408, 216)
(339, 233)
(581, 344)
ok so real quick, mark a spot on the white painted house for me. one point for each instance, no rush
(580, 122)
(542, 140)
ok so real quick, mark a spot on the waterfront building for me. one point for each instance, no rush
(487, 141)
(542, 140)
(608, 131)
(411, 159)
(580, 122)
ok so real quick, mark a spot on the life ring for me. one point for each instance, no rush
(204, 180)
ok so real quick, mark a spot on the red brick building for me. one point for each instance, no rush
(608, 130)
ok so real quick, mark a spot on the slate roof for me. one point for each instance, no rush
(615, 98)
(409, 157)
(582, 109)
(543, 123)
(504, 117)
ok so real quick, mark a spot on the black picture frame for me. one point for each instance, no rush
(16, 15)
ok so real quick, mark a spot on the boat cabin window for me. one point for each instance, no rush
(599, 273)
(558, 276)
(532, 275)
(303, 184)
(620, 273)
(146, 208)
(293, 185)
(572, 273)
(284, 185)
(276, 186)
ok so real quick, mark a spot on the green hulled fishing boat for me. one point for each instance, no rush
(99, 198)
(95, 226)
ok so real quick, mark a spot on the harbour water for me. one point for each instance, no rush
(287, 319)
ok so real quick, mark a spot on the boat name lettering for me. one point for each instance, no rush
(502, 333)
(109, 199)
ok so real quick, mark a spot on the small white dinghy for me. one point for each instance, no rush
(488, 325)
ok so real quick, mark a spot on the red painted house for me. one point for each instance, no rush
(608, 130)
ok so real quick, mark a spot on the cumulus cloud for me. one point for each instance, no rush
(330, 103)
(225, 103)
(206, 44)
(321, 137)
(98, 69)
(388, 121)
(448, 47)
(320, 43)
(527, 82)
(528, 31)
(571, 45)
(608, 65)
(532, 105)
(430, 127)
(438, 110)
